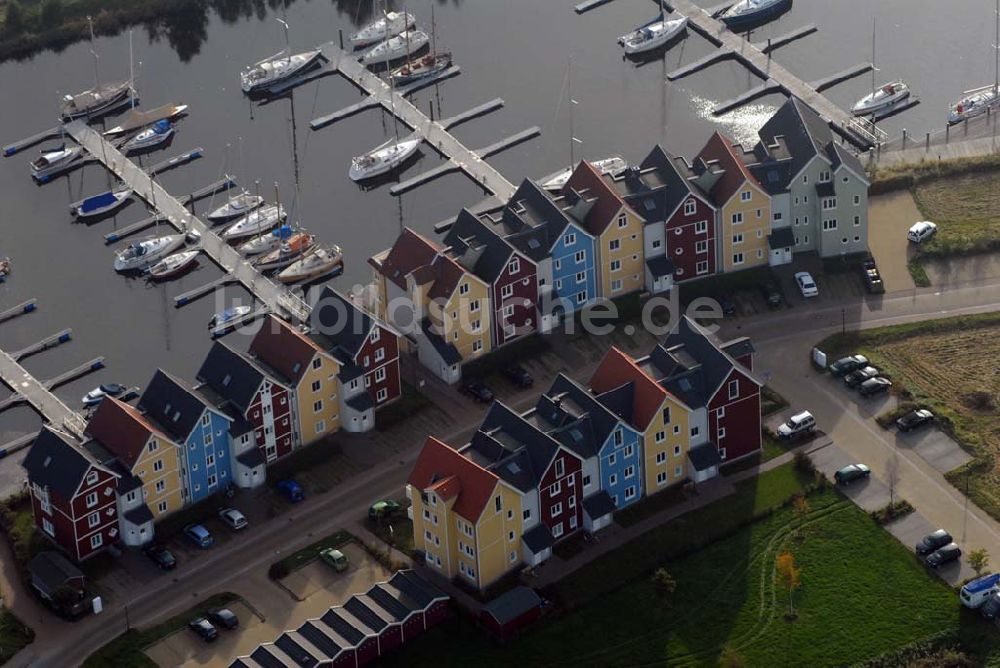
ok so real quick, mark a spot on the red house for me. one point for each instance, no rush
(507, 614)
(73, 497)
(512, 276)
(237, 383)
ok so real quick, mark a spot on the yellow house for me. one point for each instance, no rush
(616, 227)
(458, 305)
(309, 369)
(741, 202)
(466, 521)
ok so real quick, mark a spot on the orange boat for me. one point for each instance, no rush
(290, 250)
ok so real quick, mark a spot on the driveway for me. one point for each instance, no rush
(889, 218)
(935, 447)
(186, 648)
(911, 529)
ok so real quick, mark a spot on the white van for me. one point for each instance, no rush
(977, 592)
(797, 425)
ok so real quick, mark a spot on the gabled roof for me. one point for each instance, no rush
(511, 605)
(174, 405)
(411, 250)
(739, 347)
(54, 462)
(728, 157)
(616, 369)
(575, 400)
(604, 202)
(339, 325)
(446, 273)
(656, 187)
(445, 349)
(477, 247)
(437, 462)
(232, 376)
(516, 435)
(620, 401)
(50, 570)
(121, 429)
(284, 348)
(533, 220)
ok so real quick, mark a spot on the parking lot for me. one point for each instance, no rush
(890, 216)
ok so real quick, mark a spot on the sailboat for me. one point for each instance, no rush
(282, 65)
(400, 46)
(265, 243)
(976, 101)
(100, 98)
(140, 255)
(103, 204)
(256, 222)
(237, 205)
(173, 265)
(885, 96)
(160, 132)
(652, 35)
(419, 68)
(287, 252)
(748, 13)
(388, 26)
(318, 263)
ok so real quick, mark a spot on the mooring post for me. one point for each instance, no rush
(947, 131)
(965, 125)
(904, 138)
(430, 103)
(927, 141)
(340, 33)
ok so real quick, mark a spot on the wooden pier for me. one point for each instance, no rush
(774, 43)
(842, 76)
(198, 293)
(140, 225)
(20, 309)
(28, 389)
(47, 343)
(33, 140)
(276, 297)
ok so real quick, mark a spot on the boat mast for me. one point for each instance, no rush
(392, 87)
(93, 52)
(996, 55)
(288, 45)
(569, 89)
(131, 73)
(434, 48)
(874, 69)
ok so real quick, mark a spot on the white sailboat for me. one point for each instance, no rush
(415, 69)
(173, 265)
(265, 243)
(885, 96)
(103, 204)
(315, 264)
(401, 46)
(54, 161)
(388, 26)
(976, 101)
(262, 220)
(282, 65)
(143, 254)
(654, 34)
(238, 205)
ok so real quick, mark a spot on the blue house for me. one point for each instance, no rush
(535, 223)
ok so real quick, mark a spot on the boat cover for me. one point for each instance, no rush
(98, 202)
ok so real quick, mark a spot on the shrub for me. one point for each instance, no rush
(51, 14)
(803, 464)
(278, 570)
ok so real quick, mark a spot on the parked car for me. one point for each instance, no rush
(933, 541)
(991, 608)
(846, 365)
(199, 535)
(797, 425)
(979, 591)
(921, 232)
(859, 376)
(875, 385)
(233, 518)
(914, 419)
(160, 556)
(518, 375)
(807, 286)
(478, 391)
(225, 618)
(873, 279)
(943, 555)
(728, 304)
(203, 628)
(335, 558)
(771, 294)
(291, 490)
(850, 473)
(383, 508)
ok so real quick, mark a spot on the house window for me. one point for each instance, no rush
(677, 451)
(759, 214)
(666, 415)
(829, 225)
(805, 178)
(572, 502)
(616, 285)
(381, 395)
(463, 289)
(690, 207)
(701, 247)
(526, 515)
(615, 244)
(48, 527)
(678, 471)
(92, 499)
(737, 218)
(695, 431)
(776, 216)
(722, 454)
(612, 458)
(581, 297)
(760, 253)
(207, 440)
(513, 557)
(581, 277)
(616, 265)
(857, 200)
(737, 239)
(572, 522)
(619, 436)
(560, 468)
(317, 406)
(380, 374)
(580, 256)
(738, 258)
(316, 384)
(557, 530)
(93, 519)
(507, 291)
(586, 481)
(555, 489)
(745, 196)
(569, 239)
(622, 220)
(679, 251)
(158, 465)
(558, 264)
(96, 540)
(629, 493)
(629, 450)
(213, 480)
(498, 504)
(613, 479)
(702, 267)
(722, 433)
(92, 478)
(154, 444)
(629, 472)
(824, 176)
(160, 486)
(656, 244)
(514, 266)
(556, 509)
(720, 412)
(677, 429)
(130, 497)
(661, 457)
(857, 221)
(829, 203)
(701, 227)
(661, 436)
(661, 478)
(477, 345)
(320, 427)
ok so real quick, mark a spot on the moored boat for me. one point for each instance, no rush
(610, 165)
(265, 243)
(402, 45)
(388, 26)
(5, 268)
(237, 206)
(748, 13)
(262, 75)
(173, 265)
(228, 316)
(974, 103)
(288, 252)
(54, 161)
(382, 159)
(142, 254)
(653, 35)
(151, 137)
(136, 120)
(256, 222)
(103, 204)
(96, 395)
(418, 68)
(885, 97)
(318, 263)
(95, 101)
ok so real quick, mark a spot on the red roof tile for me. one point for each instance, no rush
(449, 472)
(607, 204)
(121, 429)
(410, 251)
(284, 348)
(721, 149)
(616, 369)
(447, 274)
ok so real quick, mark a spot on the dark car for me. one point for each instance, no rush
(991, 608)
(160, 556)
(874, 386)
(873, 279)
(519, 376)
(850, 473)
(933, 541)
(478, 391)
(291, 490)
(382, 509)
(728, 304)
(771, 294)
(859, 376)
(204, 628)
(943, 555)
(914, 419)
(846, 365)
(225, 618)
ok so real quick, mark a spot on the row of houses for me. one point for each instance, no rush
(542, 256)
(527, 480)
(182, 442)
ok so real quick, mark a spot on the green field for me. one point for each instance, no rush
(967, 211)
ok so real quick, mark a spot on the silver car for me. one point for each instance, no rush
(233, 518)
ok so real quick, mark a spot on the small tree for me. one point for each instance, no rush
(13, 23)
(786, 576)
(664, 583)
(730, 658)
(979, 560)
(801, 507)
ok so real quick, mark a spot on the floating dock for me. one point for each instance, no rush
(33, 140)
(28, 389)
(146, 223)
(21, 309)
(774, 43)
(198, 293)
(828, 82)
(45, 344)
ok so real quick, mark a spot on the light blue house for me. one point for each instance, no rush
(534, 222)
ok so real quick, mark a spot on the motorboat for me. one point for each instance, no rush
(96, 395)
(400, 46)
(140, 255)
(151, 137)
(382, 159)
(228, 316)
(256, 222)
(974, 103)
(173, 265)
(5, 268)
(95, 101)
(262, 75)
(419, 68)
(747, 13)
(390, 25)
(653, 35)
(289, 251)
(54, 161)
(103, 204)
(605, 166)
(885, 97)
(317, 263)
(237, 206)
(265, 243)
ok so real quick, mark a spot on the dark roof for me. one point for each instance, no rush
(139, 515)
(445, 350)
(599, 504)
(575, 399)
(620, 401)
(231, 375)
(339, 325)
(660, 265)
(56, 463)
(389, 602)
(186, 405)
(601, 202)
(323, 638)
(239, 425)
(358, 606)
(782, 237)
(347, 624)
(538, 538)
(704, 456)
(252, 458)
(840, 155)
(50, 570)
(506, 437)
(533, 220)
(826, 189)
(477, 247)
(656, 187)
(361, 402)
(416, 587)
(126, 482)
(511, 605)
(284, 348)
(410, 250)
(349, 371)
(121, 429)
(739, 347)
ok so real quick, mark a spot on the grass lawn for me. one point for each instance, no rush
(396, 531)
(862, 594)
(296, 560)
(14, 635)
(967, 211)
(126, 651)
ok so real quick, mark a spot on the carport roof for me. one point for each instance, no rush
(783, 237)
(704, 456)
(139, 515)
(538, 539)
(513, 604)
(598, 505)
(324, 638)
(660, 266)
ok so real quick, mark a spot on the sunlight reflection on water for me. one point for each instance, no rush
(740, 124)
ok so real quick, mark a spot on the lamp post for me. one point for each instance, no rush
(843, 321)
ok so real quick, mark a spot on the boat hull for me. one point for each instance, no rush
(381, 30)
(406, 75)
(672, 30)
(132, 264)
(113, 97)
(307, 60)
(750, 19)
(228, 212)
(395, 49)
(361, 172)
(54, 168)
(120, 198)
(180, 266)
